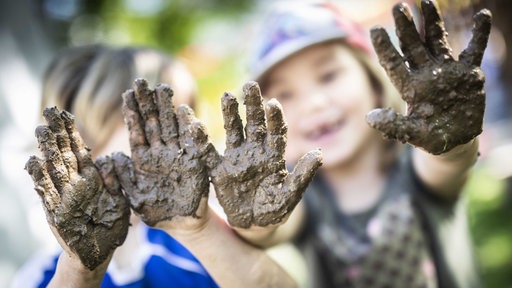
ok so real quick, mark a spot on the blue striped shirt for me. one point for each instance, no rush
(161, 262)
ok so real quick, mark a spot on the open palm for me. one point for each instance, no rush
(251, 180)
(445, 97)
(83, 201)
(166, 175)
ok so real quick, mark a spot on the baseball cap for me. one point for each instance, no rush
(293, 26)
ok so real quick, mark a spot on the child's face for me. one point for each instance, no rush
(325, 93)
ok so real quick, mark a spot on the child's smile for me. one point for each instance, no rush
(323, 133)
(325, 93)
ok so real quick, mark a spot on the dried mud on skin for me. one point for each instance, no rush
(172, 160)
(445, 97)
(251, 180)
(166, 175)
(82, 200)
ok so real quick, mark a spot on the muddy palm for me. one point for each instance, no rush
(442, 94)
(251, 180)
(166, 175)
(83, 201)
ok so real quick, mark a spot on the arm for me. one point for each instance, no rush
(445, 174)
(231, 261)
(70, 272)
(445, 97)
(82, 200)
(167, 184)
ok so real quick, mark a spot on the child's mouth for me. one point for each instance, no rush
(324, 132)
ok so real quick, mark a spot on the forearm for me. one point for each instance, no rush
(72, 273)
(445, 174)
(229, 260)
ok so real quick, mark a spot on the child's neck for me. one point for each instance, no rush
(359, 184)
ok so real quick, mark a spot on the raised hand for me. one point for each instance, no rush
(445, 97)
(82, 200)
(166, 175)
(251, 180)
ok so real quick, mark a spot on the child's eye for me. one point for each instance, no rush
(329, 76)
(284, 96)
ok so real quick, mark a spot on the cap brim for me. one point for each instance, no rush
(290, 48)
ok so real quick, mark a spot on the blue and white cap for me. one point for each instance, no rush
(291, 28)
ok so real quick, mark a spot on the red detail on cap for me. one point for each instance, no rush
(356, 36)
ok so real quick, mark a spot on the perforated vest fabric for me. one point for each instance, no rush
(394, 244)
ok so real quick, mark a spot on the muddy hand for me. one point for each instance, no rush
(83, 202)
(166, 175)
(251, 180)
(445, 97)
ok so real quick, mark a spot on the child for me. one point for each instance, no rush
(88, 81)
(375, 215)
(167, 149)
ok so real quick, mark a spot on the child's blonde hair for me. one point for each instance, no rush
(88, 82)
(387, 96)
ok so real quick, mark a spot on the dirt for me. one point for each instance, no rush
(82, 200)
(445, 97)
(251, 180)
(168, 172)
(172, 159)
(166, 175)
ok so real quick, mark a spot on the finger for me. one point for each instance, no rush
(302, 174)
(474, 53)
(185, 119)
(199, 134)
(53, 159)
(203, 146)
(393, 125)
(212, 159)
(78, 146)
(106, 169)
(389, 57)
(135, 124)
(410, 42)
(255, 129)
(232, 121)
(43, 183)
(56, 124)
(277, 127)
(125, 173)
(148, 110)
(166, 115)
(435, 34)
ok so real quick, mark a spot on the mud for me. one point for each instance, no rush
(445, 97)
(251, 180)
(82, 200)
(166, 175)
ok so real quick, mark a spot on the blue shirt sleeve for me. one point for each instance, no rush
(168, 264)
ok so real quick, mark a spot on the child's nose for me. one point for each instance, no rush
(317, 101)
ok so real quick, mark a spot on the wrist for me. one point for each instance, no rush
(257, 235)
(71, 272)
(462, 151)
(185, 227)
(188, 226)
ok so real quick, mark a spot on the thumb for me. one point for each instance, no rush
(297, 181)
(392, 124)
(124, 169)
(106, 169)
